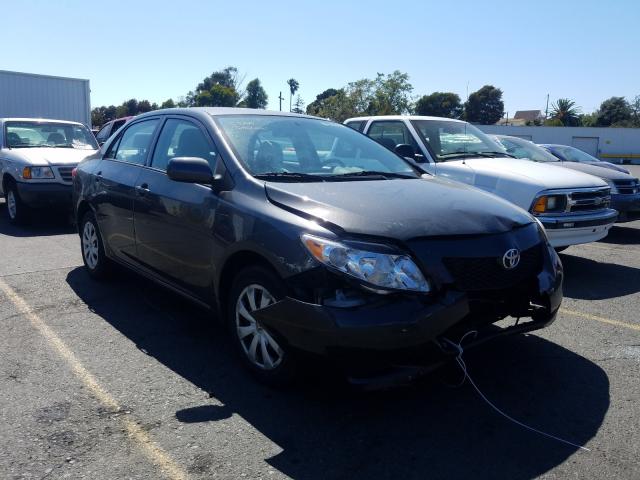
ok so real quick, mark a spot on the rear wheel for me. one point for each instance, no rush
(261, 350)
(95, 260)
(17, 211)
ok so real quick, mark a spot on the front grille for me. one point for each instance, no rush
(488, 273)
(65, 172)
(627, 187)
(589, 201)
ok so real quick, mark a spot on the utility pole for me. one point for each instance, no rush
(546, 110)
(280, 98)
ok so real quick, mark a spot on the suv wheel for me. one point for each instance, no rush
(16, 209)
(267, 356)
(95, 260)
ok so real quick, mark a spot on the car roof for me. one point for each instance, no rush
(220, 111)
(402, 117)
(39, 120)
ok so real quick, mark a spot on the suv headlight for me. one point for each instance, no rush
(37, 173)
(549, 204)
(389, 271)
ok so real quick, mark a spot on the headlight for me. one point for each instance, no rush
(37, 173)
(390, 271)
(614, 189)
(549, 204)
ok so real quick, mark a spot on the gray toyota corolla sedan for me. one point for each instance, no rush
(307, 237)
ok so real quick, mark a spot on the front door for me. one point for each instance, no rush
(115, 179)
(174, 221)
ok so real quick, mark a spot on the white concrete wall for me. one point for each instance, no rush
(40, 96)
(620, 145)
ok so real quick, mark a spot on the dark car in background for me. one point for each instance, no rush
(307, 237)
(625, 189)
(110, 128)
(567, 153)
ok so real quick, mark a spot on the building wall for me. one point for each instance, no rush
(619, 145)
(40, 96)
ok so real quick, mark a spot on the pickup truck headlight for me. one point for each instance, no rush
(37, 173)
(389, 271)
(614, 189)
(549, 204)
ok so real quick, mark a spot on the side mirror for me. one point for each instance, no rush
(191, 170)
(405, 150)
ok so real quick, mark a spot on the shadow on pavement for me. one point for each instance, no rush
(628, 234)
(44, 223)
(587, 279)
(326, 430)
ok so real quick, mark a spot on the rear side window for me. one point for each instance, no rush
(104, 132)
(390, 134)
(181, 138)
(356, 125)
(134, 143)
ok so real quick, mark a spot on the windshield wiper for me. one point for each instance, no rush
(373, 174)
(449, 156)
(495, 154)
(290, 176)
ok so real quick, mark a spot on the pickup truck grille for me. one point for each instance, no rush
(65, 172)
(588, 201)
(487, 273)
(627, 187)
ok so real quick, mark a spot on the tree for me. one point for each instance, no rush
(635, 111)
(144, 106)
(392, 94)
(256, 97)
(298, 106)
(439, 104)
(168, 104)
(588, 119)
(613, 111)
(217, 96)
(330, 104)
(220, 89)
(484, 106)
(293, 88)
(566, 111)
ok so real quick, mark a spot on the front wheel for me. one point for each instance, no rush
(16, 209)
(262, 351)
(93, 256)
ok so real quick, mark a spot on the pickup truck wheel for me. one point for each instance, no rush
(93, 256)
(17, 211)
(262, 351)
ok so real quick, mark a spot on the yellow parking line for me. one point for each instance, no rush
(609, 321)
(156, 454)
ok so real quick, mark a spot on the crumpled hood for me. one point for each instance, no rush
(50, 156)
(525, 171)
(602, 172)
(400, 209)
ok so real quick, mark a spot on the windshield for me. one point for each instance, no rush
(573, 154)
(305, 149)
(25, 134)
(521, 148)
(449, 140)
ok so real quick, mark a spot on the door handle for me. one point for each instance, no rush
(142, 190)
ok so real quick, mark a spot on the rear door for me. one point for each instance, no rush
(174, 221)
(116, 178)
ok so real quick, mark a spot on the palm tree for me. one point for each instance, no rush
(566, 111)
(293, 88)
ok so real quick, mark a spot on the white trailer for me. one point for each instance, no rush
(27, 95)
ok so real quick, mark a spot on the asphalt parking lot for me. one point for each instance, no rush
(124, 380)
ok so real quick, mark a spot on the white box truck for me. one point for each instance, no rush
(27, 95)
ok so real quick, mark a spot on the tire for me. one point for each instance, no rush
(266, 355)
(17, 211)
(93, 256)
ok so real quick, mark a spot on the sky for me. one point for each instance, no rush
(584, 50)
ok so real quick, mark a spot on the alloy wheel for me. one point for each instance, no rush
(90, 245)
(12, 204)
(259, 346)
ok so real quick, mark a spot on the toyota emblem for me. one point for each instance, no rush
(511, 259)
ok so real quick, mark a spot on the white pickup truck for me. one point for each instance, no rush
(574, 207)
(37, 158)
